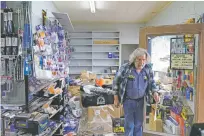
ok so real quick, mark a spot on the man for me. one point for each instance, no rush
(132, 83)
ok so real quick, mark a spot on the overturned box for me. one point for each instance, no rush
(99, 120)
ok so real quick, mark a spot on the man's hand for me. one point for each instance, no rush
(116, 101)
(156, 97)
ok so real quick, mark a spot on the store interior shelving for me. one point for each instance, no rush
(88, 55)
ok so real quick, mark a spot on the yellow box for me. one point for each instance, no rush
(106, 42)
(155, 125)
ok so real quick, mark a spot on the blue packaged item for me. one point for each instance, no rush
(26, 69)
(3, 4)
(27, 36)
(188, 93)
(173, 121)
(110, 55)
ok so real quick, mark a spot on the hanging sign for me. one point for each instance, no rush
(182, 61)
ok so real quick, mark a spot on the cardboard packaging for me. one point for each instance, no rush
(100, 127)
(108, 81)
(118, 125)
(106, 42)
(156, 125)
(74, 90)
(88, 78)
(115, 112)
(92, 76)
(99, 120)
(98, 113)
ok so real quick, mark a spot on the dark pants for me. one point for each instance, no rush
(134, 116)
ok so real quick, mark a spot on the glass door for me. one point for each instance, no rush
(177, 64)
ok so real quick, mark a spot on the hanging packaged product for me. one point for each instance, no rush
(5, 15)
(8, 40)
(3, 44)
(3, 67)
(10, 21)
(8, 45)
(15, 44)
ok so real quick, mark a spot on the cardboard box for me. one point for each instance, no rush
(115, 112)
(84, 75)
(74, 90)
(98, 113)
(156, 125)
(118, 125)
(92, 76)
(121, 111)
(98, 127)
(106, 42)
(108, 81)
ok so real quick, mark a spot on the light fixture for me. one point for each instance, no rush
(92, 6)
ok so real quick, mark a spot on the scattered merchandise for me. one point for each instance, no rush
(118, 125)
(39, 97)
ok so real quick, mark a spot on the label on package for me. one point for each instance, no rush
(10, 15)
(5, 16)
(3, 42)
(8, 41)
(14, 41)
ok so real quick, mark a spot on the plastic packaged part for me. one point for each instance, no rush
(5, 18)
(10, 21)
(8, 40)
(3, 40)
(3, 50)
(74, 104)
(14, 40)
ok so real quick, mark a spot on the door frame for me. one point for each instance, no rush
(180, 30)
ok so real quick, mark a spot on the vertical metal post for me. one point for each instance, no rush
(26, 93)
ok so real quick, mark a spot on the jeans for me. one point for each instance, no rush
(134, 116)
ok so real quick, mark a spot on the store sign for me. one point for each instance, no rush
(182, 61)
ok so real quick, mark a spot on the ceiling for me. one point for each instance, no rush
(111, 11)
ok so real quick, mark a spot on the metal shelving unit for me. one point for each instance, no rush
(88, 55)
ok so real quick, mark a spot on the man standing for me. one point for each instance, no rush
(132, 82)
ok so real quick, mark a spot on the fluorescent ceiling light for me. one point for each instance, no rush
(92, 6)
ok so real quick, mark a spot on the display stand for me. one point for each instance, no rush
(31, 95)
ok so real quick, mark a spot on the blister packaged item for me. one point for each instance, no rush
(3, 67)
(75, 105)
(3, 40)
(71, 125)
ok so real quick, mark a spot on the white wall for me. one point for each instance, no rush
(177, 13)
(129, 32)
(37, 7)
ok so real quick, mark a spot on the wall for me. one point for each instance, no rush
(178, 12)
(126, 50)
(129, 32)
(37, 7)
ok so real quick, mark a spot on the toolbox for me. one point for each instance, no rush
(32, 124)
